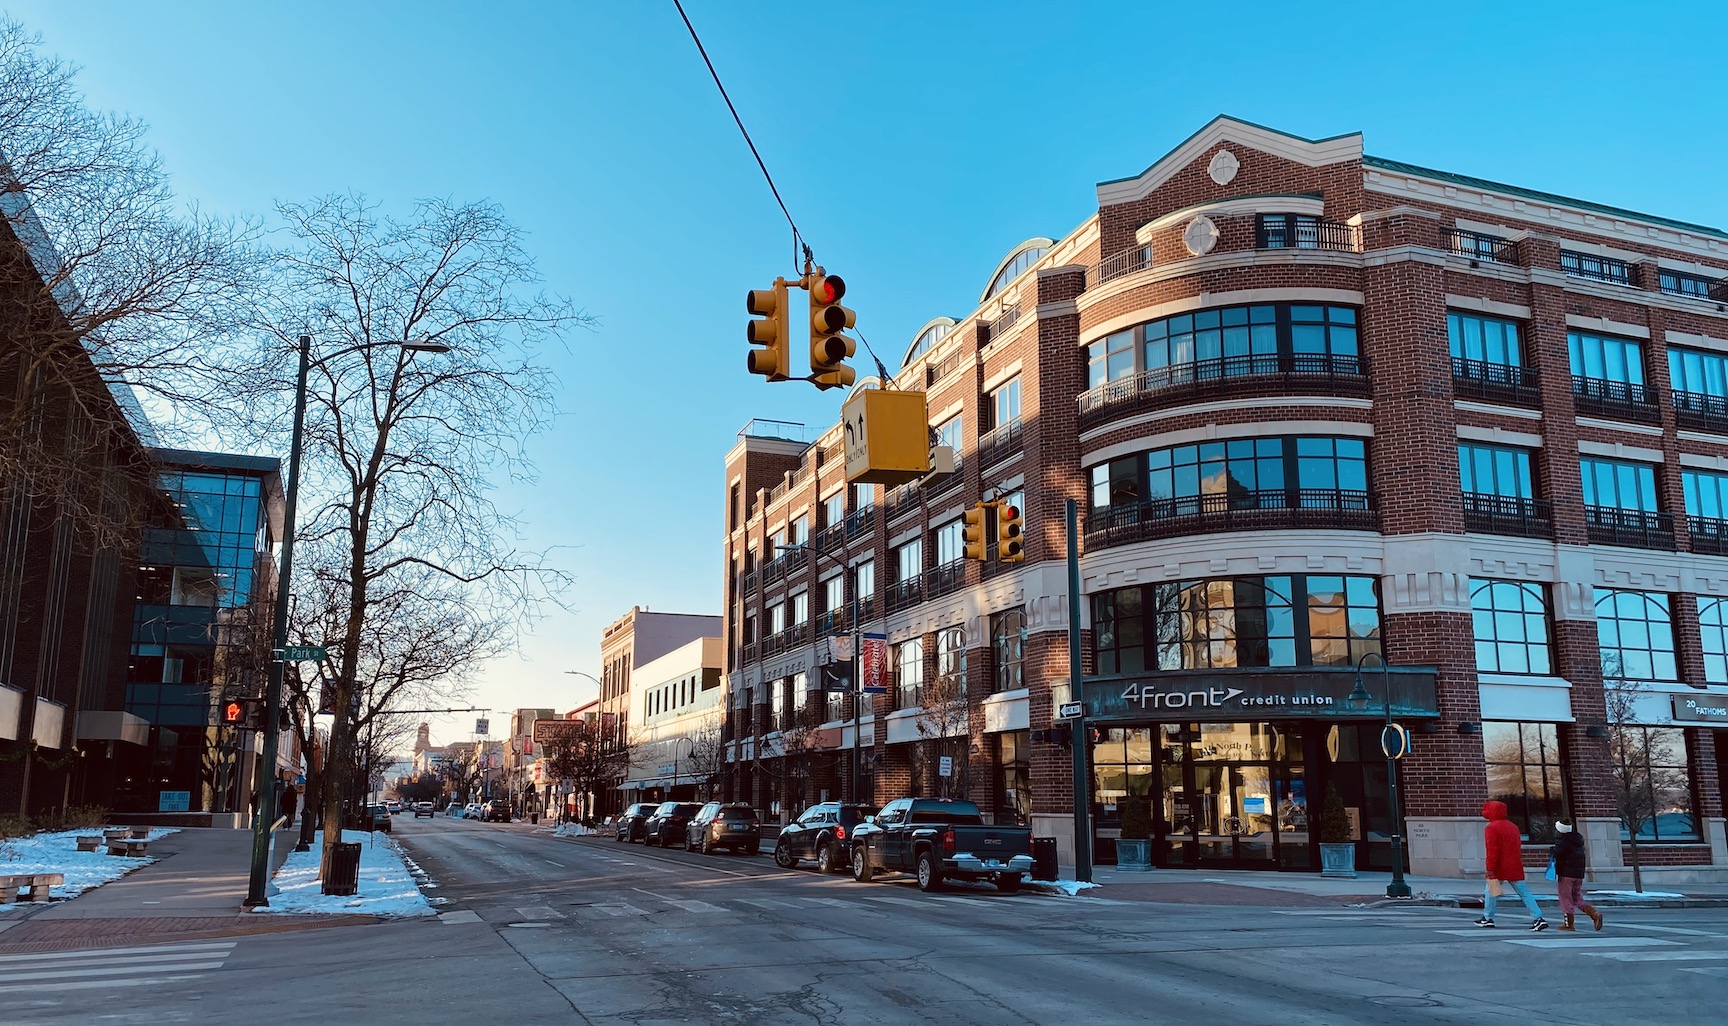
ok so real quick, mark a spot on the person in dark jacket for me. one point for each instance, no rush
(1504, 848)
(1570, 864)
(290, 802)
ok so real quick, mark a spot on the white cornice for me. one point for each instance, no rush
(1309, 153)
(1234, 207)
(1262, 403)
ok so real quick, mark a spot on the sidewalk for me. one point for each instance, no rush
(1246, 887)
(194, 889)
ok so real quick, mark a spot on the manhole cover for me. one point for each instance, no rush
(1401, 1001)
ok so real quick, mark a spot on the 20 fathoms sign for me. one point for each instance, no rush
(1258, 695)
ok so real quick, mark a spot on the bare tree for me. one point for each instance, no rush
(402, 448)
(944, 721)
(1634, 791)
(587, 755)
(708, 752)
(798, 739)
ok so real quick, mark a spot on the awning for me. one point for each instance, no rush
(113, 725)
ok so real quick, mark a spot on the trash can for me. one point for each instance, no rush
(534, 818)
(344, 870)
(1043, 858)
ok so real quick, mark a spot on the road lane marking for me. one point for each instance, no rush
(692, 905)
(125, 970)
(46, 987)
(209, 950)
(1659, 956)
(465, 915)
(770, 904)
(560, 865)
(619, 909)
(897, 901)
(1576, 942)
(1673, 929)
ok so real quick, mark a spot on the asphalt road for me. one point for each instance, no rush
(538, 929)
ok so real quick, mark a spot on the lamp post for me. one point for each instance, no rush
(1358, 700)
(857, 684)
(687, 740)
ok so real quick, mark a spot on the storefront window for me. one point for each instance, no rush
(1523, 768)
(1014, 777)
(1635, 634)
(1653, 783)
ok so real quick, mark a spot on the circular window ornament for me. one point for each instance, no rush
(1223, 167)
(1200, 236)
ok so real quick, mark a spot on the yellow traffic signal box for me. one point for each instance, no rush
(770, 332)
(887, 435)
(972, 533)
(829, 349)
(1009, 548)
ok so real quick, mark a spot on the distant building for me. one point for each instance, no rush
(676, 709)
(638, 637)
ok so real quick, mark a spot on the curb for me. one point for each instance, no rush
(1475, 901)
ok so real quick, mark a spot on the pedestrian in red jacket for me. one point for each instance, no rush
(1504, 846)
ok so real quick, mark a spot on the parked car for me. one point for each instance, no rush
(423, 809)
(628, 825)
(940, 839)
(823, 833)
(735, 827)
(453, 810)
(496, 811)
(393, 806)
(471, 810)
(379, 817)
(668, 822)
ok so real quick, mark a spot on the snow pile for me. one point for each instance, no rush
(1068, 887)
(1646, 895)
(58, 852)
(573, 830)
(386, 885)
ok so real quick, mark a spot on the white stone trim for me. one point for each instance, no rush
(1007, 710)
(1689, 340)
(829, 492)
(1217, 432)
(897, 540)
(1495, 409)
(1208, 300)
(1231, 554)
(1307, 152)
(1607, 326)
(1619, 451)
(947, 413)
(1001, 377)
(1317, 402)
(1499, 436)
(1691, 267)
(1701, 436)
(1649, 430)
(1008, 484)
(1289, 203)
(1510, 697)
(1476, 304)
(1499, 231)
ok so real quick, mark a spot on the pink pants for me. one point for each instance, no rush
(1571, 895)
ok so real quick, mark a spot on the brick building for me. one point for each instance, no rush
(1313, 406)
(629, 643)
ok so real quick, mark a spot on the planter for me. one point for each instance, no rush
(1133, 855)
(1338, 860)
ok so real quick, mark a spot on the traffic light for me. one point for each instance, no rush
(973, 533)
(1008, 546)
(770, 332)
(244, 713)
(829, 349)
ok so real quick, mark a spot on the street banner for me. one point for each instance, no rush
(840, 647)
(836, 677)
(875, 664)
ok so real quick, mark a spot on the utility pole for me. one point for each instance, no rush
(1076, 693)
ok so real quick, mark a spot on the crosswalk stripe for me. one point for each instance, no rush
(1580, 942)
(164, 961)
(620, 909)
(540, 912)
(461, 915)
(770, 904)
(1658, 956)
(211, 949)
(837, 903)
(124, 970)
(957, 900)
(896, 901)
(695, 906)
(49, 987)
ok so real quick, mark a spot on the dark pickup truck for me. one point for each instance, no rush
(940, 839)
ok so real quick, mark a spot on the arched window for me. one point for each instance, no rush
(928, 336)
(1635, 634)
(1008, 649)
(1713, 623)
(1511, 626)
(1017, 265)
(909, 672)
(951, 664)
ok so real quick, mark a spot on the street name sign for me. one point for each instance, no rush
(303, 654)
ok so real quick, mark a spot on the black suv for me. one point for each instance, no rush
(495, 811)
(823, 833)
(734, 827)
(629, 822)
(668, 822)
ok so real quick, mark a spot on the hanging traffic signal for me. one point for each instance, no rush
(1008, 546)
(972, 535)
(770, 332)
(829, 348)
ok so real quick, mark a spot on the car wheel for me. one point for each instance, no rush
(784, 858)
(1008, 883)
(649, 838)
(754, 849)
(929, 872)
(827, 859)
(707, 845)
(861, 868)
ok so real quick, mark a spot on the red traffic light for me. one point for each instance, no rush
(233, 712)
(828, 289)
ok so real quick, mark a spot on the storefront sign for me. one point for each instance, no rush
(1701, 708)
(173, 801)
(1258, 695)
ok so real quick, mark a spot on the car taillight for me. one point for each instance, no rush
(839, 833)
(948, 841)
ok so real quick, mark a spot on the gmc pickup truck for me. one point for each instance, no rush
(940, 839)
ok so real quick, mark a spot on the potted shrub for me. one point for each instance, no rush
(1134, 847)
(1337, 850)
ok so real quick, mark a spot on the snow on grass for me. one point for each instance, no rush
(386, 886)
(58, 852)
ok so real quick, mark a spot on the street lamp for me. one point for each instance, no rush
(857, 681)
(1358, 700)
(692, 743)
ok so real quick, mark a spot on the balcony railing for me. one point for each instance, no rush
(1709, 534)
(1124, 263)
(752, 651)
(784, 564)
(860, 520)
(1508, 514)
(1227, 376)
(1701, 411)
(902, 500)
(1596, 268)
(1632, 527)
(1272, 509)
(999, 442)
(1274, 233)
(866, 609)
(941, 368)
(1495, 382)
(1618, 399)
(1002, 325)
(904, 594)
(1478, 246)
(830, 538)
(831, 623)
(946, 578)
(751, 581)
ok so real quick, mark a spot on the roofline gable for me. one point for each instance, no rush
(1223, 128)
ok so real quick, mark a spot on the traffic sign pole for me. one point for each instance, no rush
(1076, 690)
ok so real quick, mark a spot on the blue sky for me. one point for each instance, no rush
(915, 144)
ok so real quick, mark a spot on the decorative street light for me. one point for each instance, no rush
(687, 740)
(1358, 700)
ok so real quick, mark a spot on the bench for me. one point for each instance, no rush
(127, 846)
(34, 885)
(89, 842)
(140, 833)
(114, 833)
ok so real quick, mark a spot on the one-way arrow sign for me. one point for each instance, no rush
(1069, 711)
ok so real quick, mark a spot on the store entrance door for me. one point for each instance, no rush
(1234, 797)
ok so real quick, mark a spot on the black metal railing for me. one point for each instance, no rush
(940, 369)
(948, 577)
(902, 500)
(785, 563)
(1708, 534)
(751, 652)
(1596, 268)
(1508, 514)
(1227, 376)
(866, 609)
(1632, 527)
(1478, 246)
(904, 594)
(831, 622)
(860, 520)
(1280, 232)
(1701, 411)
(1000, 441)
(1495, 382)
(831, 537)
(1265, 510)
(1621, 400)
(751, 580)
(1002, 325)
(1124, 263)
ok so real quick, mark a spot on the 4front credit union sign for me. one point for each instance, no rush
(1259, 695)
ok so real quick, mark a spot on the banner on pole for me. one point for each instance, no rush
(873, 661)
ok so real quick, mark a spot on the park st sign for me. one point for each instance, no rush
(1259, 694)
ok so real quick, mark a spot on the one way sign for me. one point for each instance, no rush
(1069, 711)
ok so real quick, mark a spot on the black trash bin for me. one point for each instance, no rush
(344, 870)
(1043, 858)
